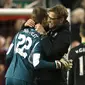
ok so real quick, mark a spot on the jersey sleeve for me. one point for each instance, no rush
(38, 61)
(9, 53)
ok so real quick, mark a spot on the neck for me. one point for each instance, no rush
(83, 40)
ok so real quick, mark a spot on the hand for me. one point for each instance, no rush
(66, 64)
(40, 29)
(30, 23)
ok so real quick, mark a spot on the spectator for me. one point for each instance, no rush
(2, 3)
(9, 4)
(83, 4)
(78, 4)
(76, 19)
(2, 57)
(2, 42)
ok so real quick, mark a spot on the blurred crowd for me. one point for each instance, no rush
(9, 28)
(77, 18)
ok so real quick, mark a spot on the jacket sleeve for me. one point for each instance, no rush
(38, 61)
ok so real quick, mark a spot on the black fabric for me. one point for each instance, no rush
(75, 32)
(77, 54)
(54, 46)
(56, 43)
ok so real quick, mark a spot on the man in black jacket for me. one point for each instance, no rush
(55, 45)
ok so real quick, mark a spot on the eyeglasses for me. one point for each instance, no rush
(52, 18)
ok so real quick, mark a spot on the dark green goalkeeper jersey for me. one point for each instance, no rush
(24, 55)
(77, 73)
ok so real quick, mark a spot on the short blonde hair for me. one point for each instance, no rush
(60, 11)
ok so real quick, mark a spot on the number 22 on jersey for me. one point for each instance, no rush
(22, 41)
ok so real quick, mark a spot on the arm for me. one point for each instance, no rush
(38, 27)
(28, 23)
(38, 61)
(9, 54)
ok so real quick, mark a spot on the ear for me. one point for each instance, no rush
(61, 20)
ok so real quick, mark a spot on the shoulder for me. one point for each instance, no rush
(65, 28)
(65, 31)
(77, 47)
(74, 51)
(64, 36)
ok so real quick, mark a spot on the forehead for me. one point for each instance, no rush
(52, 14)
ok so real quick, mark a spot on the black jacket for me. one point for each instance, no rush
(54, 46)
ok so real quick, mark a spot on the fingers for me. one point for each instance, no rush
(40, 29)
(38, 26)
(66, 64)
(70, 63)
(30, 23)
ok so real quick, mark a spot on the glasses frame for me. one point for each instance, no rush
(51, 17)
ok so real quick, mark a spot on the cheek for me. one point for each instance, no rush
(52, 21)
(55, 22)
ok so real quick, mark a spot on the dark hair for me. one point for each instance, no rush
(39, 14)
(82, 29)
